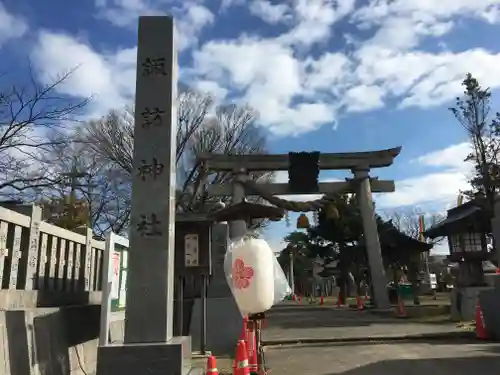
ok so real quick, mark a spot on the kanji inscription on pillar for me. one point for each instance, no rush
(150, 169)
(152, 116)
(149, 226)
(154, 66)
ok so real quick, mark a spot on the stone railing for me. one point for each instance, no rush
(44, 265)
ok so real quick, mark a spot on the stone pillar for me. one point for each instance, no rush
(32, 260)
(149, 346)
(374, 253)
(149, 312)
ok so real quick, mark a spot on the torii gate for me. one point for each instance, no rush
(360, 164)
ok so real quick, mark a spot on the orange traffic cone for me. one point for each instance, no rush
(299, 300)
(401, 309)
(241, 367)
(481, 333)
(243, 334)
(339, 301)
(321, 300)
(251, 348)
(212, 366)
(359, 303)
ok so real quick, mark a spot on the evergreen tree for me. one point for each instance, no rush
(472, 110)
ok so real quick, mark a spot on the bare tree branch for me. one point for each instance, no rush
(201, 128)
(32, 119)
(406, 220)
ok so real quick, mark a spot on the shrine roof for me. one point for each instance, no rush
(459, 219)
(391, 236)
(393, 239)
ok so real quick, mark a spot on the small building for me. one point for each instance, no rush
(401, 254)
(396, 246)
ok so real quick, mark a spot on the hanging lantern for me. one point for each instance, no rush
(250, 270)
(302, 222)
(331, 212)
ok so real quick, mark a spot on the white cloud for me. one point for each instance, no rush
(109, 79)
(191, 17)
(211, 88)
(450, 157)
(439, 188)
(296, 93)
(328, 73)
(293, 91)
(245, 65)
(271, 13)
(314, 20)
(378, 11)
(363, 98)
(434, 187)
(11, 26)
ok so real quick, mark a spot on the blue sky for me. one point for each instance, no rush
(332, 76)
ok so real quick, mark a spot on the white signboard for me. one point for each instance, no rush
(191, 250)
(115, 276)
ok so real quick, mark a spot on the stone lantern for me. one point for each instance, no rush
(466, 227)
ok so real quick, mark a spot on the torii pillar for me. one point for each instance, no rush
(372, 241)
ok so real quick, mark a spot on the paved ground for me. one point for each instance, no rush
(386, 359)
(290, 321)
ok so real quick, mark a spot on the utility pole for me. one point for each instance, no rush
(291, 277)
(73, 176)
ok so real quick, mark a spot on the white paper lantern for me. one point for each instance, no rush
(251, 266)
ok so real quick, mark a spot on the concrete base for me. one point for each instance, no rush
(224, 324)
(463, 302)
(30, 299)
(172, 358)
(52, 341)
(490, 304)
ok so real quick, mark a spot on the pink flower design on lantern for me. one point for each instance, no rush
(241, 274)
